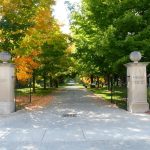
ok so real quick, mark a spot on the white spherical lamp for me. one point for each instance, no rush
(5, 57)
(135, 56)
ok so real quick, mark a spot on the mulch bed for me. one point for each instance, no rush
(37, 102)
(148, 112)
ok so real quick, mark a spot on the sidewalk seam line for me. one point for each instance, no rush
(43, 136)
(83, 133)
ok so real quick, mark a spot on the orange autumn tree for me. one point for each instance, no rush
(30, 46)
(34, 30)
(25, 66)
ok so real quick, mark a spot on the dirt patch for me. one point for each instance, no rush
(37, 102)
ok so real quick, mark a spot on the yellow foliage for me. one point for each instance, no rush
(85, 80)
(71, 49)
(43, 19)
(102, 80)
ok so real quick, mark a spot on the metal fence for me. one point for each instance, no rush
(23, 95)
(148, 94)
(119, 96)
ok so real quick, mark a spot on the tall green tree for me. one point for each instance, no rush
(30, 33)
(109, 30)
(16, 19)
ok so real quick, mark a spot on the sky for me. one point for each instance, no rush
(60, 13)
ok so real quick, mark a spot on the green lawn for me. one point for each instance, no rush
(39, 91)
(118, 95)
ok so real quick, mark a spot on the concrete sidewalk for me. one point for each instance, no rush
(77, 120)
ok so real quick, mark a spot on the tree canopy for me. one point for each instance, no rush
(106, 31)
(29, 31)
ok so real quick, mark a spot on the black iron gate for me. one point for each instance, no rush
(118, 93)
(23, 94)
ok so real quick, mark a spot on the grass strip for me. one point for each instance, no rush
(119, 95)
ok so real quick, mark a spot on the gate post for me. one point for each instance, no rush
(137, 84)
(7, 78)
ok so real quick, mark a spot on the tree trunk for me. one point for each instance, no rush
(33, 82)
(56, 83)
(108, 82)
(50, 81)
(117, 82)
(111, 88)
(44, 81)
(97, 82)
(91, 78)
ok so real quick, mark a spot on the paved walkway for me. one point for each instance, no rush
(92, 125)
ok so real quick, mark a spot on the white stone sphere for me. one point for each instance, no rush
(5, 56)
(135, 56)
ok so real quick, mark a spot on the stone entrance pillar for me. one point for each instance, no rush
(137, 85)
(7, 96)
